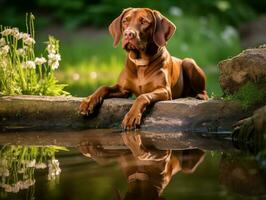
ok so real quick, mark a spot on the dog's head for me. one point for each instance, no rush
(140, 27)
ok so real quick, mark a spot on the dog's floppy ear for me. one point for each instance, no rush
(115, 27)
(163, 29)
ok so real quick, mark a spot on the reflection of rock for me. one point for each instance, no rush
(250, 133)
(250, 65)
(242, 174)
(260, 120)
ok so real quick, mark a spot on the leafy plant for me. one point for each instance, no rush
(248, 95)
(21, 71)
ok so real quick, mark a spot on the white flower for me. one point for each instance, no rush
(3, 65)
(31, 163)
(15, 188)
(18, 36)
(53, 60)
(54, 169)
(3, 162)
(6, 32)
(40, 166)
(29, 182)
(22, 170)
(23, 185)
(40, 61)
(29, 65)
(55, 65)
(5, 173)
(54, 57)
(2, 42)
(14, 31)
(8, 188)
(51, 49)
(25, 36)
(4, 50)
(29, 41)
(21, 52)
(55, 162)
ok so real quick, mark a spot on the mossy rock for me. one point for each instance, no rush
(248, 66)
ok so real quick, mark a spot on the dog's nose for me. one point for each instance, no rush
(129, 34)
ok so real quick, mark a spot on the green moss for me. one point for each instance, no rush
(248, 95)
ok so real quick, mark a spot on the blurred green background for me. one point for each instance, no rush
(207, 30)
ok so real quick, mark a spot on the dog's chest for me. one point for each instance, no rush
(144, 81)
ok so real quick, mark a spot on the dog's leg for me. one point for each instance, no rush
(89, 104)
(132, 119)
(196, 78)
(134, 143)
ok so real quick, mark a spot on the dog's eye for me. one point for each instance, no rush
(125, 21)
(143, 21)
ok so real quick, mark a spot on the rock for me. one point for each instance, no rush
(38, 112)
(250, 65)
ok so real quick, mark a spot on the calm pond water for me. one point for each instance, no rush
(108, 164)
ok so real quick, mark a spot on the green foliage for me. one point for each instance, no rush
(203, 39)
(21, 72)
(101, 12)
(248, 95)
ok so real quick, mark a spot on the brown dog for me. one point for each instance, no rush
(150, 72)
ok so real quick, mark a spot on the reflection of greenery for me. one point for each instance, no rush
(243, 173)
(21, 72)
(18, 163)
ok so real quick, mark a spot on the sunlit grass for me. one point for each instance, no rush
(88, 75)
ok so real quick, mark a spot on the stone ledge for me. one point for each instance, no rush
(61, 112)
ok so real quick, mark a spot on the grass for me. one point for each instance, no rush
(89, 60)
(249, 95)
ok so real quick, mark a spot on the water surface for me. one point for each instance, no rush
(107, 164)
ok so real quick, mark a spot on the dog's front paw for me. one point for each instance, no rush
(89, 104)
(132, 120)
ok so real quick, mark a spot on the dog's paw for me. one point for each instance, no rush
(202, 96)
(89, 104)
(131, 120)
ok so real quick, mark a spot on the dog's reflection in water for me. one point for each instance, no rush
(148, 170)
